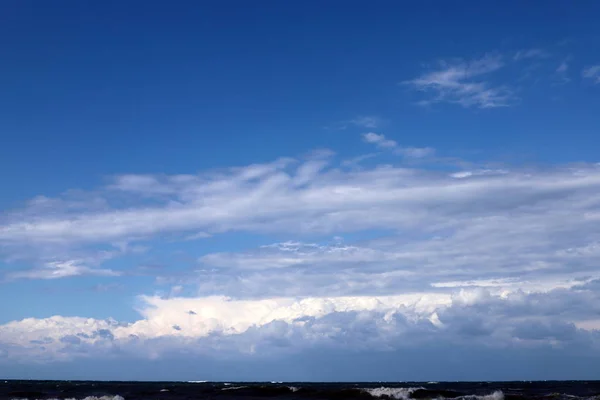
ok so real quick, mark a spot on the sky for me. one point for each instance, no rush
(339, 190)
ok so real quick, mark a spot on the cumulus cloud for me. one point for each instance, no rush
(379, 140)
(385, 323)
(464, 82)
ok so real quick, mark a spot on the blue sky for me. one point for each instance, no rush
(254, 184)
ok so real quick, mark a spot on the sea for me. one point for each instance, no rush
(91, 390)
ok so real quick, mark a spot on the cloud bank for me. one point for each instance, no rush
(381, 258)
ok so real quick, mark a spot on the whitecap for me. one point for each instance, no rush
(117, 397)
(497, 395)
(234, 387)
(396, 393)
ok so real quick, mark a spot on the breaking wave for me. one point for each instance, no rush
(234, 387)
(395, 393)
(117, 397)
(54, 390)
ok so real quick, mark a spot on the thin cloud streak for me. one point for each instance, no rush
(592, 73)
(381, 142)
(463, 83)
(531, 53)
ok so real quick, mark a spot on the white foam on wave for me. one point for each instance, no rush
(396, 393)
(234, 387)
(293, 388)
(497, 395)
(404, 394)
(117, 397)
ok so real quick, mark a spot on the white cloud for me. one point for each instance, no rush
(563, 67)
(379, 140)
(462, 83)
(467, 174)
(435, 254)
(409, 152)
(199, 235)
(416, 152)
(218, 325)
(313, 198)
(370, 122)
(592, 73)
(362, 121)
(61, 269)
(561, 74)
(530, 53)
(355, 161)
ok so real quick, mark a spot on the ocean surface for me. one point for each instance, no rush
(547, 390)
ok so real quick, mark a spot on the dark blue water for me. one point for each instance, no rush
(547, 390)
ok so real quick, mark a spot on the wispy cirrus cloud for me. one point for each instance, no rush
(463, 82)
(367, 121)
(531, 53)
(592, 73)
(61, 269)
(381, 142)
(361, 121)
(561, 74)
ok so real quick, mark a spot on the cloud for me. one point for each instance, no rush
(362, 121)
(60, 269)
(409, 152)
(223, 326)
(311, 197)
(530, 53)
(481, 257)
(461, 82)
(563, 67)
(416, 152)
(371, 122)
(592, 73)
(561, 73)
(355, 161)
(199, 235)
(379, 140)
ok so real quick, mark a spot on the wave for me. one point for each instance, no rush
(250, 391)
(234, 387)
(497, 395)
(395, 393)
(117, 397)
